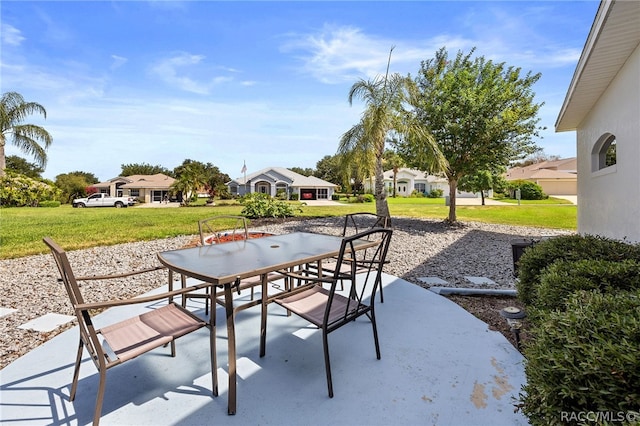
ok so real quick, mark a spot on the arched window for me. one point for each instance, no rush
(604, 152)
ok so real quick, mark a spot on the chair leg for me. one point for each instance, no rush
(372, 317)
(76, 371)
(173, 348)
(327, 362)
(100, 397)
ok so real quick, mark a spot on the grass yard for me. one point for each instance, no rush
(22, 229)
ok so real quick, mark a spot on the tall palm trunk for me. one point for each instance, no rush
(382, 207)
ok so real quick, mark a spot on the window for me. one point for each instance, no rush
(421, 187)
(323, 193)
(604, 152)
(134, 192)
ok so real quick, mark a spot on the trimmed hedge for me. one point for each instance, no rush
(565, 277)
(535, 260)
(585, 359)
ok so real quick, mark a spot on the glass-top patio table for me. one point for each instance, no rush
(225, 264)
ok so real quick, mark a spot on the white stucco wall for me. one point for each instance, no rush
(609, 199)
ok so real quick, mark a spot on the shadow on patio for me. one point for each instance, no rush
(440, 365)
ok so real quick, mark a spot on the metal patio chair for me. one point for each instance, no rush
(328, 308)
(122, 341)
(354, 223)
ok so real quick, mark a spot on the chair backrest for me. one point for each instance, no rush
(360, 287)
(355, 223)
(87, 331)
(219, 229)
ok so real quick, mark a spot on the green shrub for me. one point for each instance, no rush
(584, 359)
(566, 277)
(49, 204)
(435, 193)
(335, 196)
(528, 190)
(362, 198)
(258, 205)
(18, 190)
(294, 197)
(536, 259)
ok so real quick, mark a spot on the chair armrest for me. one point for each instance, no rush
(143, 299)
(123, 275)
(314, 278)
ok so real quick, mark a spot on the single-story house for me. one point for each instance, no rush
(409, 180)
(602, 105)
(277, 179)
(147, 188)
(557, 177)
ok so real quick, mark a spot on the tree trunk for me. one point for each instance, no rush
(382, 207)
(453, 188)
(3, 160)
(395, 181)
(482, 196)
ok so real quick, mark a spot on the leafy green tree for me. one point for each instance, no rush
(27, 137)
(328, 168)
(480, 181)
(303, 172)
(74, 185)
(482, 115)
(143, 169)
(21, 166)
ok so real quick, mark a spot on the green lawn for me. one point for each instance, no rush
(22, 229)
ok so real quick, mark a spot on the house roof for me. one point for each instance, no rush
(280, 174)
(614, 35)
(416, 174)
(158, 180)
(565, 168)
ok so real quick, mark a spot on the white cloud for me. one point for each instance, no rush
(179, 71)
(118, 61)
(11, 36)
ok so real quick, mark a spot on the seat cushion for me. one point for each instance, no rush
(140, 334)
(311, 304)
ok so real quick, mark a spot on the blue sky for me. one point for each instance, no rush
(263, 82)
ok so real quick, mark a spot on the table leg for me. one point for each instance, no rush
(231, 340)
(263, 315)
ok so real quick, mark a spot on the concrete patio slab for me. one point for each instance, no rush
(47, 322)
(440, 366)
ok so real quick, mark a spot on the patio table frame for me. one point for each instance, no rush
(224, 265)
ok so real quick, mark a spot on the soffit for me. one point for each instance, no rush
(615, 34)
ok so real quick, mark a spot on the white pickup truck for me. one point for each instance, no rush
(103, 200)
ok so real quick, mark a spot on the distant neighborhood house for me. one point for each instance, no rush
(603, 106)
(557, 177)
(273, 180)
(147, 188)
(409, 180)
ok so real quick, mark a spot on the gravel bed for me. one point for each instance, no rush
(419, 248)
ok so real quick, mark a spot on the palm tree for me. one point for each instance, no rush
(191, 179)
(394, 160)
(384, 115)
(13, 111)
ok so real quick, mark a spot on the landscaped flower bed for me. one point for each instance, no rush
(224, 238)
